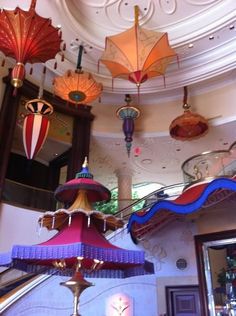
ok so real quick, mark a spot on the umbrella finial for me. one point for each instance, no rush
(136, 14)
(85, 164)
(84, 173)
(33, 5)
(79, 60)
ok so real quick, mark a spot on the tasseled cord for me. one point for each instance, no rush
(41, 86)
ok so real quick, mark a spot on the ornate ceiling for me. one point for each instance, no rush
(203, 33)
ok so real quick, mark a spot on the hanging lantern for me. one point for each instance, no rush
(27, 37)
(36, 126)
(137, 54)
(128, 114)
(189, 125)
(77, 86)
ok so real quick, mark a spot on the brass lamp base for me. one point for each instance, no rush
(77, 284)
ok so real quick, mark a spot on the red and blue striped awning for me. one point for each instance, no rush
(193, 199)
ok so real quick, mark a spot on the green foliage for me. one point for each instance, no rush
(112, 206)
(221, 277)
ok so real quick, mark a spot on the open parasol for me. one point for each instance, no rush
(77, 87)
(27, 37)
(137, 54)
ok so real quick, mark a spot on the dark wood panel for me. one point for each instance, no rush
(183, 300)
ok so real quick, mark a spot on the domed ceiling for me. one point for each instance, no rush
(203, 34)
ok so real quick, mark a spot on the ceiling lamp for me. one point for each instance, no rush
(27, 37)
(77, 86)
(79, 248)
(137, 54)
(189, 125)
(128, 114)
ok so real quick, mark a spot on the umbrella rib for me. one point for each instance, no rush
(89, 87)
(137, 47)
(12, 29)
(173, 54)
(39, 30)
(118, 48)
(67, 86)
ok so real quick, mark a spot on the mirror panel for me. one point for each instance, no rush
(216, 262)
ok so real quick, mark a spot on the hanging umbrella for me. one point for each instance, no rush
(77, 87)
(189, 125)
(27, 37)
(137, 54)
(36, 126)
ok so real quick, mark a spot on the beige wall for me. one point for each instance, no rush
(19, 226)
(156, 118)
(217, 220)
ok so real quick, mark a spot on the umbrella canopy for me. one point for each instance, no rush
(137, 54)
(80, 245)
(95, 191)
(27, 37)
(78, 87)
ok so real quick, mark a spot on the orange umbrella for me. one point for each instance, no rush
(78, 87)
(137, 54)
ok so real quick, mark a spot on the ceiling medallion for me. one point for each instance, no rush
(128, 114)
(27, 37)
(189, 125)
(137, 54)
(146, 161)
(78, 87)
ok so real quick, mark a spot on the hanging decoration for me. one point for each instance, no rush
(189, 125)
(28, 38)
(36, 126)
(128, 114)
(80, 248)
(137, 54)
(78, 87)
(36, 123)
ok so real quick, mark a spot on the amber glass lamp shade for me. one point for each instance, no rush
(188, 126)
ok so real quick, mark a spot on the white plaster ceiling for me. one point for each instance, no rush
(209, 26)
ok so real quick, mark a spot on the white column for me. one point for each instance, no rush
(124, 177)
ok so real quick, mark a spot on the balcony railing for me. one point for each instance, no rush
(210, 165)
(27, 196)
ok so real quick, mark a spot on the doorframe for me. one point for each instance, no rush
(170, 290)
